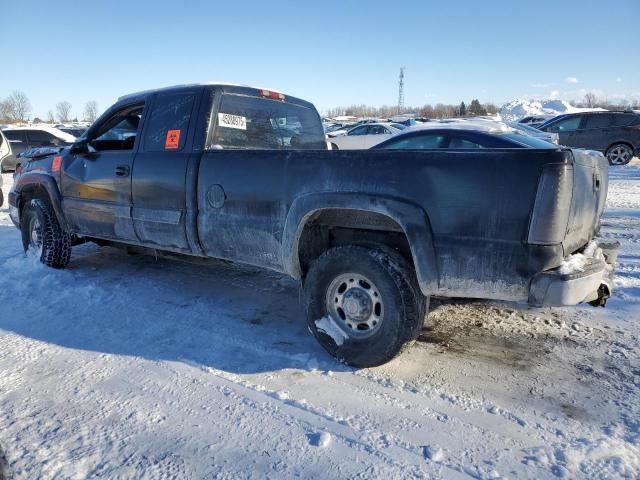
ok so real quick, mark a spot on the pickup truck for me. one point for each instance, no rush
(244, 174)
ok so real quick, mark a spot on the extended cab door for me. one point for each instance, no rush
(96, 182)
(160, 186)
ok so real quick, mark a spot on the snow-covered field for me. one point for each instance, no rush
(131, 367)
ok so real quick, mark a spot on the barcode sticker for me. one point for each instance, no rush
(232, 121)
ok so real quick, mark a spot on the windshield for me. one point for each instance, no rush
(259, 123)
(399, 126)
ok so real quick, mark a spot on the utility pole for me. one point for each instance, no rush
(401, 91)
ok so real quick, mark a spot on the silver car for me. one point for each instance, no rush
(365, 136)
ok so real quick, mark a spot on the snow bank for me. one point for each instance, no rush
(517, 109)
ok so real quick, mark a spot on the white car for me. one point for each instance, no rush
(365, 136)
(22, 139)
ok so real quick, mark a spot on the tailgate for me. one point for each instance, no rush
(590, 182)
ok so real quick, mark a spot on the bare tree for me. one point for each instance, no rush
(590, 100)
(63, 109)
(19, 106)
(91, 111)
(6, 111)
(50, 117)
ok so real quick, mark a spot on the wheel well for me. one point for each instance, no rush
(619, 143)
(31, 192)
(330, 228)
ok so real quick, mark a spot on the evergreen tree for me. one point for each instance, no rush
(476, 108)
(463, 109)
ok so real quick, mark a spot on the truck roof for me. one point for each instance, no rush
(226, 86)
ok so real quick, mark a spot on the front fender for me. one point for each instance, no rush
(412, 219)
(34, 181)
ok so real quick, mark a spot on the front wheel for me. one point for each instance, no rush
(363, 305)
(619, 154)
(42, 234)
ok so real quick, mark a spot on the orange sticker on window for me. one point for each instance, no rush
(55, 165)
(172, 142)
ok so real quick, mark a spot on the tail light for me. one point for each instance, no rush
(272, 95)
(553, 205)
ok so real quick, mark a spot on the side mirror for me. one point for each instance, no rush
(80, 147)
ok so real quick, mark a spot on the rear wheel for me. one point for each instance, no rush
(363, 305)
(619, 154)
(43, 236)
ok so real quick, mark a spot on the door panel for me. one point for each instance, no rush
(159, 189)
(96, 190)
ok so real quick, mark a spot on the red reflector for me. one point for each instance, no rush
(272, 95)
(55, 165)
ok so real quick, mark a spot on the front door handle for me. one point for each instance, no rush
(123, 170)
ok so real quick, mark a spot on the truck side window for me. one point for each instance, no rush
(168, 122)
(119, 131)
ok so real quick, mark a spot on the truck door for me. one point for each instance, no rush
(96, 183)
(160, 187)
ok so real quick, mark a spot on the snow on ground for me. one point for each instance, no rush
(517, 109)
(130, 367)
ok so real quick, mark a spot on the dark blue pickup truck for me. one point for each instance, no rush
(244, 174)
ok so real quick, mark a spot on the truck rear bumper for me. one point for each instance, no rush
(589, 280)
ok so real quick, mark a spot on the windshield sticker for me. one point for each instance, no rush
(172, 142)
(232, 121)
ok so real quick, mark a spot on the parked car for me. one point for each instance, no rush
(616, 134)
(25, 138)
(74, 131)
(5, 150)
(371, 234)
(462, 135)
(535, 120)
(534, 132)
(365, 136)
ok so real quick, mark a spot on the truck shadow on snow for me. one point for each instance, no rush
(229, 317)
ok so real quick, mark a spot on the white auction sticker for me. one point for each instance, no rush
(232, 121)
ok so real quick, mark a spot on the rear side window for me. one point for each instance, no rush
(417, 142)
(168, 122)
(625, 119)
(457, 142)
(249, 122)
(363, 130)
(38, 138)
(566, 124)
(599, 120)
(18, 136)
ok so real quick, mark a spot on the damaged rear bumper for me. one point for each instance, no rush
(591, 282)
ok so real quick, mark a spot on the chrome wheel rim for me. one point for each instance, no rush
(356, 305)
(619, 155)
(35, 235)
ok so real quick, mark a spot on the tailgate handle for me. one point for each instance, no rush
(596, 181)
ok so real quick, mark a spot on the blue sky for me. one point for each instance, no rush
(330, 52)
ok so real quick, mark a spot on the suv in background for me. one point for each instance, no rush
(616, 134)
(22, 139)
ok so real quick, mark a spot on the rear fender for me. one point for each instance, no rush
(412, 219)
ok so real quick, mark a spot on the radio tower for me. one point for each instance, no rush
(401, 91)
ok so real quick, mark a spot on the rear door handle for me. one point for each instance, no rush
(123, 170)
